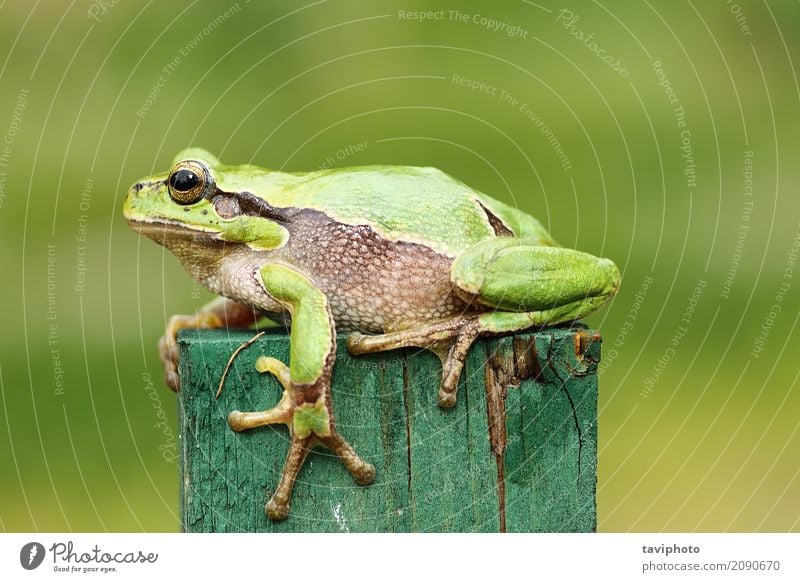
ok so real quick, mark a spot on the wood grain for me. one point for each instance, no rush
(517, 453)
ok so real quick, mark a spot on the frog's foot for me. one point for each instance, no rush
(220, 312)
(280, 414)
(449, 339)
(298, 419)
(277, 507)
(168, 344)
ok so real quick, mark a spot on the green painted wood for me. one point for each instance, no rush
(517, 453)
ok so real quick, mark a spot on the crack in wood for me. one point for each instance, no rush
(523, 364)
(408, 427)
(496, 411)
(554, 370)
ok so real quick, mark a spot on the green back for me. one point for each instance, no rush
(402, 203)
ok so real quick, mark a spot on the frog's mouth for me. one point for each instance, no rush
(163, 231)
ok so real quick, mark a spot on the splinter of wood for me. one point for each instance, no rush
(233, 357)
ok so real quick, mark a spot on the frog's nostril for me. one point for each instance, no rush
(145, 184)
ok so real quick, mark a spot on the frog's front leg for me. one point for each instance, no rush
(220, 312)
(513, 285)
(306, 403)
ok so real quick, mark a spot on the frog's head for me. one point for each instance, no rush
(202, 201)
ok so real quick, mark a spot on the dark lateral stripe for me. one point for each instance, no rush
(500, 229)
(255, 206)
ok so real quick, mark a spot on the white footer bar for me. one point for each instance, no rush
(762, 557)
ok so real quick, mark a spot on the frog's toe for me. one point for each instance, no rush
(366, 476)
(453, 365)
(172, 379)
(453, 362)
(168, 354)
(282, 413)
(362, 471)
(266, 364)
(277, 510)
(356, 343)
(447, 399)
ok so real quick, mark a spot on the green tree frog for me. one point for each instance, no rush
(395, 256)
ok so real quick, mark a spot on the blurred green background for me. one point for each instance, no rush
(698, 398)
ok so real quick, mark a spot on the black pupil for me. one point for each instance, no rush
(184, 180)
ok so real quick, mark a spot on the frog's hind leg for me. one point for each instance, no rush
(515, 286)
(452, 339)
(510, 274)
(449, 339)
(430, 336)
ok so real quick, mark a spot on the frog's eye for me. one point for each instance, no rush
(188, 182)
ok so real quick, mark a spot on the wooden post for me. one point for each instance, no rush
(517, 453)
